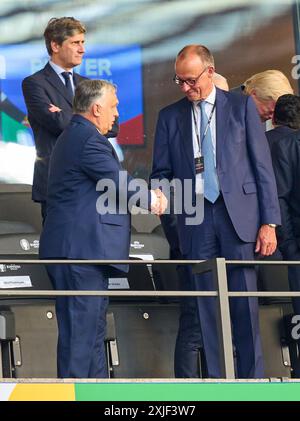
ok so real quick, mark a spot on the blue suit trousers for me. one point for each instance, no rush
(189, 337)
(81, 321)
(216, 237)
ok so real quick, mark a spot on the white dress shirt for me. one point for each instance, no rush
(210, 101)
(59, 70)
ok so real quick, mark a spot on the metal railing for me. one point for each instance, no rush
(216, 266)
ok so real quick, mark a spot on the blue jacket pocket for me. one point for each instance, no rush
(249, 188)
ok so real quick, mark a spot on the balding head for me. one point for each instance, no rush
(199, 50)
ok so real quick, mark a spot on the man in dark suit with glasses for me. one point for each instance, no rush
(215, 140)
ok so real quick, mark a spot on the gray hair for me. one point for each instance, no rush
(88, 91)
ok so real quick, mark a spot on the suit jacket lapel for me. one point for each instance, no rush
(184, 122)
(77, 79)
(223, 109)
(56, 82)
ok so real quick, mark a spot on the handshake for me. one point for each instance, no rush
(159, 202)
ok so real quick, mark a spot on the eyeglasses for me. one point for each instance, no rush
(190, 82)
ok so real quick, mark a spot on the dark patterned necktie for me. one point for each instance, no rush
(67, 76)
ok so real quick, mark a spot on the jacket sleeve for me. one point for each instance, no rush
(38, 102)
(100, 165)
(260, 157)
(162, 169)
(283, 167)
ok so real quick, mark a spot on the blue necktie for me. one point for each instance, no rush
(67, 76)
(211, 188)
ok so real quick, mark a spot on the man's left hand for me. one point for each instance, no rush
(54, 109)
(266, 242)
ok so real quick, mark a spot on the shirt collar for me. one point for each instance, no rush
(59, 70)
(211, 97)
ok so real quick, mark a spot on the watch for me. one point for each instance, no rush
(272, 225)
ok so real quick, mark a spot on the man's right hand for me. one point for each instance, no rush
(161, 203)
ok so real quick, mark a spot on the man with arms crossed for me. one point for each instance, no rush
(49, 94)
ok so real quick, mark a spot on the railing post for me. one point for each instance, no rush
(223, 318)
(1, 364)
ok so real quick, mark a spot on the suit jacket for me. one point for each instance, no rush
(286, 162)
(40, 90)
(73, 227)
(277, 133)
(244, 164)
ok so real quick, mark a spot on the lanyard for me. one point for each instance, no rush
(206, 128)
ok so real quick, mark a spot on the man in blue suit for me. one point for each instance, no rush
(284, 141)
(215, 139)
(77, 227)
(286, 119)
(188, 356)
(49, 93)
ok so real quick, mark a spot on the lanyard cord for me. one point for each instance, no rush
(206, 128)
